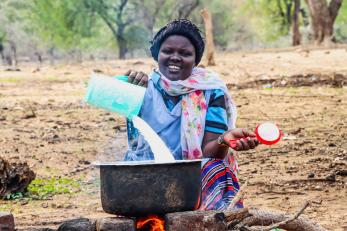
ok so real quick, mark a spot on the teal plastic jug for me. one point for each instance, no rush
(115, 94)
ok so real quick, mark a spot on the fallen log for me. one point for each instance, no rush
(264, 220)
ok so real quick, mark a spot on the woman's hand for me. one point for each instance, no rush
(216, 146)
(137, 77)
(245, 140)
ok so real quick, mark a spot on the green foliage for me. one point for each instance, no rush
(41, 189)
(267, 18)
(137, 36)
(2, 36)
(63, 23)
(222, 13)
(89, 26)
(14, 196)
(340, 26)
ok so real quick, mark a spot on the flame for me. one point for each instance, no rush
(155, 223)
(198, 204)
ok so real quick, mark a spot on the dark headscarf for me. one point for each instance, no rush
(182, 27)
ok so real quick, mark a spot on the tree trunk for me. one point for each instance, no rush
(51, 55)
(296, 31)
(150, 14)
(288, 13)
(209, 37)
(122, 43)
(323, 18)
(334, 7)
(2, 53)
(13, 48)
(116, 25)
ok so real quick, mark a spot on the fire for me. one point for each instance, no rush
(198, 204)
(153, 222)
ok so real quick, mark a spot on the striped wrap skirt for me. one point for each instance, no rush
(219, 185)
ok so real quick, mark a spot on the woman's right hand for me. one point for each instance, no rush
(245, 139)
(137, 77)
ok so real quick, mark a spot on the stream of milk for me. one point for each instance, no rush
(161, 152)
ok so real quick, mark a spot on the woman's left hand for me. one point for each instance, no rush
(137, 77)
(245, 139)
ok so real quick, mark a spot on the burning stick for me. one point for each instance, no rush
(153, 222)
(239, 196)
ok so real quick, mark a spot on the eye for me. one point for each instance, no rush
(186, 53)
(166, 51)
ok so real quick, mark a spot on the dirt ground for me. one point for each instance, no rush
(44, 121)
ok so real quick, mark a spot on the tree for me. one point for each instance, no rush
(288, 11)
(185, 8)
(340, 25)
(61, 23)
(11, 30)
(175, 9)
(209, 37)
(284, 11)
(65, 24)
(269, 20)
(222, 13)
(296, 39)
(2, 39)
(149, 11)
(117, 15)
(323, 17)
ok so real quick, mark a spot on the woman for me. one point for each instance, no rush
(190, 109)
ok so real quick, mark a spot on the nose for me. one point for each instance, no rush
(175, 57)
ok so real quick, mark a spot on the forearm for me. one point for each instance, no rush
(212, 149)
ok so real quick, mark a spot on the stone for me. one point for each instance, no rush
(79, 224)
(6, 222)
(311, 175)
(40, 229)
(115, 223)
(194, 220)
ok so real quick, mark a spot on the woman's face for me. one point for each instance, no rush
(176, 58)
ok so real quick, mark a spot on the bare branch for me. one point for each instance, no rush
(239, 196)
(187, 8)
(298, 213)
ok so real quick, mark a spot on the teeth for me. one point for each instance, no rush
(174, 67)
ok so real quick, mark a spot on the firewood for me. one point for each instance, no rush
(281, 223)
(264, 220)
(195, 220)
(14, 177)
(236, 215)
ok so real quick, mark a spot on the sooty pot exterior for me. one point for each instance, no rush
(134, 189)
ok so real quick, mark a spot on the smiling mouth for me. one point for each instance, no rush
(174, 68)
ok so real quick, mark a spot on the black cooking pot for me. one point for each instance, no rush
(138, 188)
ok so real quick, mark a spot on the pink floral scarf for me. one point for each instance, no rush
(194, 107)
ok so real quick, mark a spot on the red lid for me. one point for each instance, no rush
(268, 133)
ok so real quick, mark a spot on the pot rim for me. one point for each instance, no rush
(144, 163)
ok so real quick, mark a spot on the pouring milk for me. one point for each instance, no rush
(117, 95)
